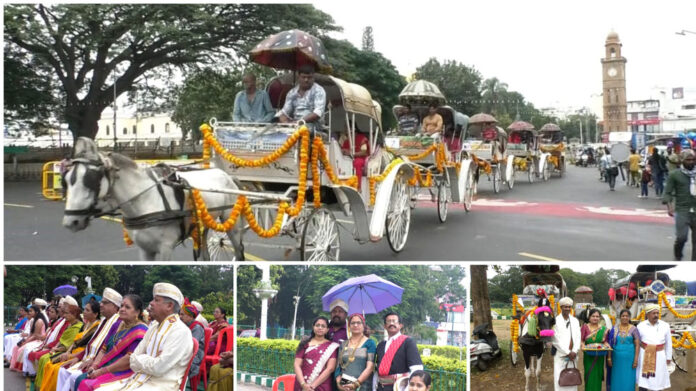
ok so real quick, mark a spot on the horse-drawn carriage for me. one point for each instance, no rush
(553, 150)
(436, 159)
(486, 145)
(282, 179)
(650, 286)
(523, 147)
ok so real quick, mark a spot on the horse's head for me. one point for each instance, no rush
(86, 183)
(546, 319)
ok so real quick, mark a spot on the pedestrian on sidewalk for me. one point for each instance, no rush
(610, 168)
(634, 168)
(645, 178)
(658, 168)
(673, 160)
(681, 188)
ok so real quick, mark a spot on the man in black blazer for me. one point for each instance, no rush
(397, 356)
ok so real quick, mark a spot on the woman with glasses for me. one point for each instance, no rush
(625, 341)
(594, 346)
(315, 359)
(356, 358)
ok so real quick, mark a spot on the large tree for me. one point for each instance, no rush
(479, 296)
(97, 51)
(459, 83)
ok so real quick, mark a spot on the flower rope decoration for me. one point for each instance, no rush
(553, 160)
(423, 154)
(662, 299)
(681, 343)
(206, 153)
(126, 238)
(640, 317)
(379, 178)
(482, 163)
(515, 325)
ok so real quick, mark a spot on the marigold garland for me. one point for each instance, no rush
(423, 154)
(482, 163)
(379, 178)
(417, 178)
(520, 163)
(271, 232)
(126, 238)
(553, 160)
(640, 317)
(681, 343)
(206, 153)
(661, 298)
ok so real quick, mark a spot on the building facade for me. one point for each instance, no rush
(148, 130)
(614, 86)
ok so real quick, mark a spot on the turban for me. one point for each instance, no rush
(190, 310)
(651, 307)
(112, 296)
(69, 300)
(565, 301)
(198, 305)
(169, 291)
(40, 302)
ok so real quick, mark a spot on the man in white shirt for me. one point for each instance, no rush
(566, 341)
(655, 351)
(397, 356)
(161, 358)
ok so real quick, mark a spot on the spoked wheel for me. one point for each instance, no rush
(547, 171)
(497, 180)
(530, 172)
(513, 354)
(442, 201)
(679, 358)
(320, 237)
(469, 190)
(217, 246)
(398, 215)
(511, 182)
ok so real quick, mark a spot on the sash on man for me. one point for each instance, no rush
(397, 356)
(655, 351)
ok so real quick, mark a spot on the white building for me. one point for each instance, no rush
(144, 130)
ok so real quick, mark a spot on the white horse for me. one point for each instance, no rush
(155, 213)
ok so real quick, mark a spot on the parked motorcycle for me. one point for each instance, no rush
(484, 347)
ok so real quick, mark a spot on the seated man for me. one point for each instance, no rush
(408, 121)
(160, 360)
(250, 104)
(306, 101)
(432, 123)
(361, 150)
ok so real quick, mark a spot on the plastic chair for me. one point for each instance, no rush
(188, 367)
(206, 341)
(215, 357)
(288, 382)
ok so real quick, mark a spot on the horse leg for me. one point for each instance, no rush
(538, 373)
(147, 255)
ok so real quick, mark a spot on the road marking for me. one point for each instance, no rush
(19, 205)
(114, 219)
(541, 257)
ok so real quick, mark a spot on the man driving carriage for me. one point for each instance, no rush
(432, 123)
(306, 101)
(408, 121)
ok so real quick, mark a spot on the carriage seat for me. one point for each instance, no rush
(277, 91)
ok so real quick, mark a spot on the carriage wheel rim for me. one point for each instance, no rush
(398, 217)
(219, 247)
(321, 239)
(442, 202)
(469, 192)
(530, 172)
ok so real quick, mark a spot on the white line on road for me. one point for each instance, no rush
(19, 205)
(543, 258)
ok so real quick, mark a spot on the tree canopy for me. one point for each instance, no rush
(96, 51)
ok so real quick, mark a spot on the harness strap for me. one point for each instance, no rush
(154, 219)
(160, 190)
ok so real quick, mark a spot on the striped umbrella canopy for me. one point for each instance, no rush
(290, 50)
(520, 125)
(550, 126)
(421, 90)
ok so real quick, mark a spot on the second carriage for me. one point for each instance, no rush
(486, 145)
(553, 148)
(297, 180)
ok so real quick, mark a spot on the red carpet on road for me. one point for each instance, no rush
(567, 210)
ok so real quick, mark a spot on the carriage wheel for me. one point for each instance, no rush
(511, 182)
(398, 215)
(497, 180)
(562, 168)
(530, 172)
(469, 190)
(442, 202)
(679, 357)
(320, 237)
(217, 246)
(513, 355)
(547, 170)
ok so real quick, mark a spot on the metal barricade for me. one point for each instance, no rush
(51, 184)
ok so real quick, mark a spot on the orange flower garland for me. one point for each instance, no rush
(662, 299)
(274, 230)
(681, 343)
(422, 154)
(379, 178)
(126, 237)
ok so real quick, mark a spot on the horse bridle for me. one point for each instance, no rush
(103, 170)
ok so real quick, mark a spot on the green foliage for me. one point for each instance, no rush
(223, 300)
(248, 305)
(460, 84)
(444, 363)
(443, 351)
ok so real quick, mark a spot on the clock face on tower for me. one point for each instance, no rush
(611, 72)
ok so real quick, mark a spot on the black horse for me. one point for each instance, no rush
(532, 341)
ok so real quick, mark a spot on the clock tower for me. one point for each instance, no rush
(614, 85)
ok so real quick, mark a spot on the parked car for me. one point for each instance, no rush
(250, 333)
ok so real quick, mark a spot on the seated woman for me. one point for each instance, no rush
(112, 363)
(361, 150)
(219, 324)
(37, 333)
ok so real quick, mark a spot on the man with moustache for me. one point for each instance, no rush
(566, 340)
(337, 327)
(655, 351)
(397, 356)
(681, 188)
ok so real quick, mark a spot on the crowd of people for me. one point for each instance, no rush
(116, 343)
(339, 355)
(620, 357)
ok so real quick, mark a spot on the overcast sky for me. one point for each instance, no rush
(549, 51)
(683, 271)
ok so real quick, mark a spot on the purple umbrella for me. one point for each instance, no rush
(65, 290)
(365, 294)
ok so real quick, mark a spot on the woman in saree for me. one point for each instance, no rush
(594, 334)
(112, 363)
(90, 315)
(35, 338)
(315, 359)
(217, 325)
(623, 360)
(356, 358)
(72, 318)
(11, 340)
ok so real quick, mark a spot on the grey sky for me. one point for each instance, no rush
(548, 50)
(683, 271)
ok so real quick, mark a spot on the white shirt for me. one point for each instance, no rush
(655, 334)
(563, 332)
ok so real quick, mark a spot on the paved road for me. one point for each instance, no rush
(571, 218)
(13, 381)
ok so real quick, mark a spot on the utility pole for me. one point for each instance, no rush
(115, 111)
(580, 121)
(296, 300)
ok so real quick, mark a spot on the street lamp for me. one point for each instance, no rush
(264, 291)
(296, 301)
